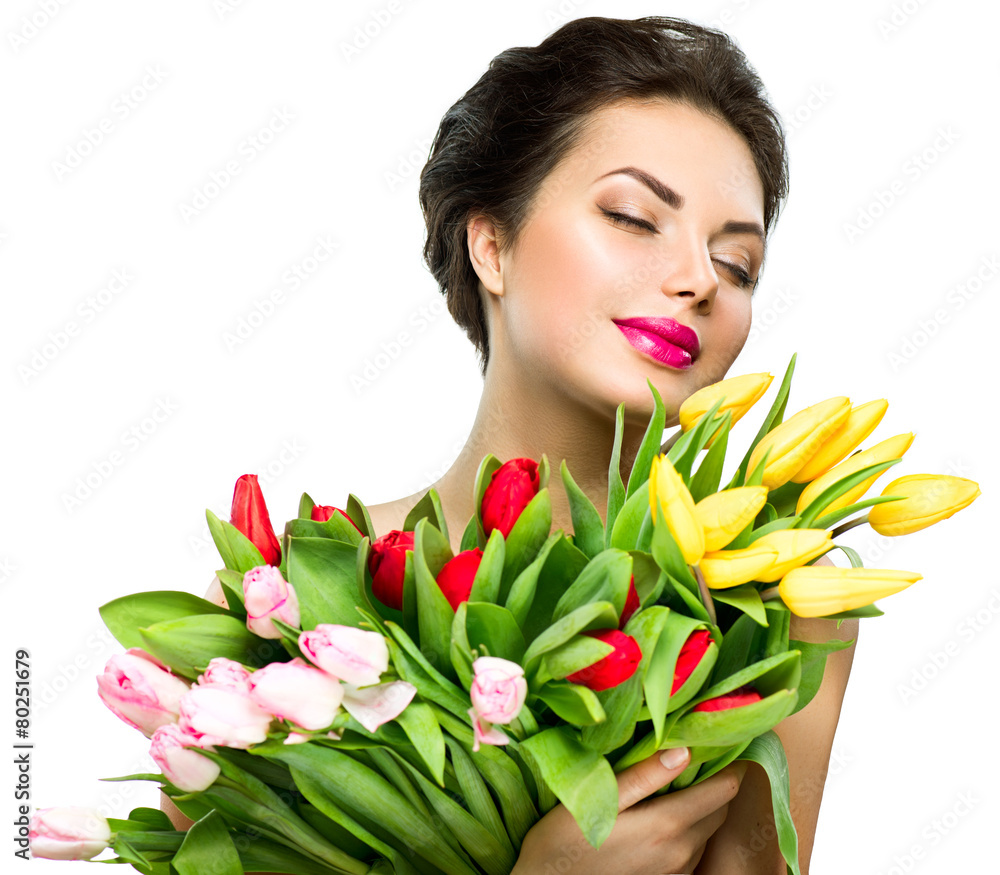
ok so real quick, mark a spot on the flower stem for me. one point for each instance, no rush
(847, 526)
(706, 596)
(769, 593)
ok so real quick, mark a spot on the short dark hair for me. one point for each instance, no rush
(499, 141)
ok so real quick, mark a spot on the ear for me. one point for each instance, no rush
(484, 254)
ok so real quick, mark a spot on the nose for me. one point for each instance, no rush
(690, 275)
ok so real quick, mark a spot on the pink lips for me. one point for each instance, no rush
(665, 340)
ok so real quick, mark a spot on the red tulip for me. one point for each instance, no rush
(249, 515)
(738, 697)
(455, 578)
(631, 603)
(691, 653)
(387, 564)
(510, 489)
(322, 512)
(617, 666)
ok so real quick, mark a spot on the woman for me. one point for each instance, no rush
(597, 210)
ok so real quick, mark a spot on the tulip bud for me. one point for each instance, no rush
(387, 564)
(613, 669)
(818, 590)
(693, 649)
(725, 568)
(738, 697)
(512, 486)
(631, 603)
(220, 715)
(668, 491)
(226, 673)
(927, 499)
(798, 439)
(68, 833)
(186, 769)
(860, 423)
(267, 595)
(249, 515)
(456, 576)
(296, 691)
(354, 655)
(740, 393)
(891, 448)
(498, 689)
(136, 687)
(795, 547)
(723, 515)
(322, 512)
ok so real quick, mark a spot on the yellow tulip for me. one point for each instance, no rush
(723, 515)
(668, 491)
(796, 440)
(740, 394)
(724, 568)
(795, 547)
(818, 590)
(891, 448)
(860, 423)
(927, 499)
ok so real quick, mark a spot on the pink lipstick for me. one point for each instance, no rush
(663, 339)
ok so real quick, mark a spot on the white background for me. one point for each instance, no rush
(863, 87)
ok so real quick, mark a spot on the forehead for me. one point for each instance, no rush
(696, 154)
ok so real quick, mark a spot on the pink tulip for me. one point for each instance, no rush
(136, 687)
(70, 833)
(498, 689)
(484, 732)
(222, 715)
(348, 653)
(224, 672)
(267, 594)
(186, 769)
(373, 706)
(295, 691)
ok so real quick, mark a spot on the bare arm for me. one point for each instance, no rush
(747, 841)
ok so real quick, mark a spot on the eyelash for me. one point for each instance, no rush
(744, 279)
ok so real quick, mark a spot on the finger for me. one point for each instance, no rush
(638, 781)
(705, 797)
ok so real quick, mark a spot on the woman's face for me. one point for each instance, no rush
(567, 302)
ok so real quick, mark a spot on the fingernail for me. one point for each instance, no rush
(675, 757)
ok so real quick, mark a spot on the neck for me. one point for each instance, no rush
(524, 418)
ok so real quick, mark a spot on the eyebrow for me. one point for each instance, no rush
(672, 199)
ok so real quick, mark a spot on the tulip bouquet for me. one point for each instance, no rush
(360, 703)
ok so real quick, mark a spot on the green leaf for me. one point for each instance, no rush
(865, 611)
(324, 575)
(521, 596)
(707, 478)
(773, 418)
(581, 779)
(573, 703)
(699, 435)
(576, 654)
(814, 656)
(744, 598)
(337, 528)
(487, 466)
(561, 567)
(357, 511)
(429, 681)
(124, 615)
(616, 489)
(236, 549)
(208, 849)
(187, 644)
(734, 651)
(306, 504)
(652, 440)
(588, 529)
(421, 726)
(525, 539)
(767, 752)
(838, 488)
(470, 537)
(597, 615)
(829, 520)
(604, 579)
(486, 583)
(625, 535)
(731, 726)
(851, 554)
(232, 587)
(494, 628)
(429, 506)
(434, 613)
(476, 794)
(153, 817)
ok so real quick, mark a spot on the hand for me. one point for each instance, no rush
(666, 834)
